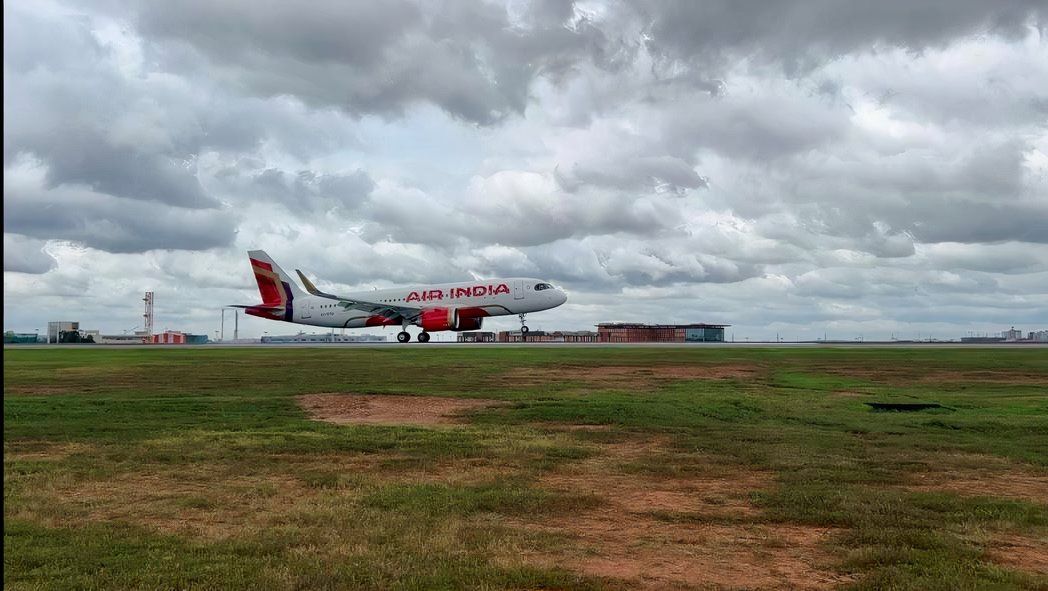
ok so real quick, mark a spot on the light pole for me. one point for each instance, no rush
(236, 323)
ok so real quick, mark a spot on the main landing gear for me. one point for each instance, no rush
(404, 336)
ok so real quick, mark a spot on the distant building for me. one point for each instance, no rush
(21, 337)
(622, 332)
(169, 337)
(543, 336)
(174, 337)
(120, 339)
(1039, 336)
(538, 336)
(324, 338)
(57, 327)
(1012, 335)
(476, 337)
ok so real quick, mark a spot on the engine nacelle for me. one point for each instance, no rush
(469, 323)
(434, 319)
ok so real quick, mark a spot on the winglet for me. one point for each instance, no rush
(309, 284)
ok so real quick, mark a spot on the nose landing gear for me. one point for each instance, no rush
(523, 328)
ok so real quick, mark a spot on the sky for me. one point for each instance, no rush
(793, 168)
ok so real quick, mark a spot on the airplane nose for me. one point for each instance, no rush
(561, 297)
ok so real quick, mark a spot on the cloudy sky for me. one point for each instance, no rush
(794, 167)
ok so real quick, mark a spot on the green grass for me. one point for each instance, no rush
(185, 468)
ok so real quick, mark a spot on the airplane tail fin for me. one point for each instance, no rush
(276, 287)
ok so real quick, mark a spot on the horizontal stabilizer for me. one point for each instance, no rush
(257, 307)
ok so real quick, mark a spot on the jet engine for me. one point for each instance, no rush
(434, 319)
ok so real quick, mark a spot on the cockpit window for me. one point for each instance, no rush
(542, 286)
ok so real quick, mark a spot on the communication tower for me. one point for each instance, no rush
(147, 317)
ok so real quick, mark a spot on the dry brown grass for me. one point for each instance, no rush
(181, 503)
(625, 376)
(44, 450)
(905, 374)
(1014, 485)
(982, 475)
(346, 408)
(659, 532)
(202, 502)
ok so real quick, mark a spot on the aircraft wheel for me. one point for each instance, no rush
(403, 336)
(524, 329)
(423, 338)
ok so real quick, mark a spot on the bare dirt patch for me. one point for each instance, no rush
(619, 376)
(658, 532)
(1022, 553)
(371, 409)
(981, 475)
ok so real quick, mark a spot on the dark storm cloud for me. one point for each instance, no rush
(381, 57)
(799, 33)
(110, 223)
(26, 255)
(73, 110)
(80, 157)
(979, 196)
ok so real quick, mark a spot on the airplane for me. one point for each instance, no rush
(446, 306)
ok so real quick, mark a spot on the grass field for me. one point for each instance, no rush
(597, 468)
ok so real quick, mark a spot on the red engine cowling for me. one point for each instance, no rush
(434, 319)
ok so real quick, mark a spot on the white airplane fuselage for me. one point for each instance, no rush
(474, 299)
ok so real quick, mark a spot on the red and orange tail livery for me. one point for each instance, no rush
(277, 289)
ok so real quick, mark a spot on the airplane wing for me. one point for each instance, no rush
(376, 308)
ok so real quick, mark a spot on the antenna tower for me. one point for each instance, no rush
(147, 317)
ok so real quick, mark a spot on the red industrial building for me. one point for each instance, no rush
(174, 337)
(539, 336)
(169, 337)
(623, 332)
